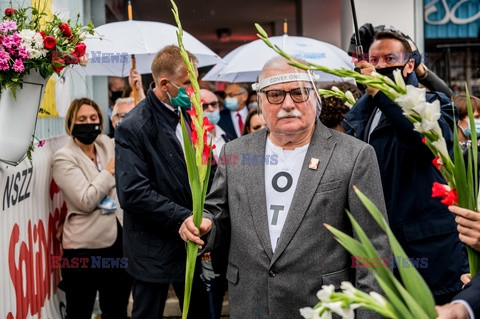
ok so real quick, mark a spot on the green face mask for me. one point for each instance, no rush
(182, 99)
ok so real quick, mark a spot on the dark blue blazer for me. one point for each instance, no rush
(226, 123)
(424, 226)
(471, 294)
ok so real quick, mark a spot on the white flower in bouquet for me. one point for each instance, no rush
(411, 99)
(348, 288)
(378, 297)
(429, 113)
(441, 146)
(325, 293)
(315, 313)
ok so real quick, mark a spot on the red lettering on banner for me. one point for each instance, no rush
(33, 277)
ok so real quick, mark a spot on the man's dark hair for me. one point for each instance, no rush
(383, 35)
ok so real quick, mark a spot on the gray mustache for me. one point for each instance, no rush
(284, 114)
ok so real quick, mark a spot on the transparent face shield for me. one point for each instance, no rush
(288, 95)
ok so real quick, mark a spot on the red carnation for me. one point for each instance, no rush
(65, 28)
(80, 49)
(49, 42)
(42, 34)
(10, 11)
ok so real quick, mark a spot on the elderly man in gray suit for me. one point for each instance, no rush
(273, 192)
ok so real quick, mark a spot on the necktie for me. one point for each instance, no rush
(240, 123)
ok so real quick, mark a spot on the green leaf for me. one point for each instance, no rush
(370, 250)
(352, 245)
(414, 283)
(399, 307)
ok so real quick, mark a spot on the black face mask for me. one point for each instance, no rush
(86, 133)
(388, 72)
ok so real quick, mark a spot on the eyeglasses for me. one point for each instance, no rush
(120, 115)
(298, 95)
(214, 104)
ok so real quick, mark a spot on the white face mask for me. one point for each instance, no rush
(213, 117)
(231, 103)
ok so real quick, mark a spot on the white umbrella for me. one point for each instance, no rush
(245, 63)
(110, 49)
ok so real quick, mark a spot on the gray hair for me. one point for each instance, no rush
(278, 62)
(118, 102)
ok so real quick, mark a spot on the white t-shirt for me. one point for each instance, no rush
(280, 184)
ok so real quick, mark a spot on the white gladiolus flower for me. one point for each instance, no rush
(307, 313)
(310, 313)
(325, 293)
(441, 146)
(414, 97)
(348, 288)
(350, 95)
(397, 75)
(379, 298)
(430, 113)
(346, 313)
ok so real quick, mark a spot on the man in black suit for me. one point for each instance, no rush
(233, 116)
(154, 192)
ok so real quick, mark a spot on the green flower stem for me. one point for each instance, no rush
(198, 171)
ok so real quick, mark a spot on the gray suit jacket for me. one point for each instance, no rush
(263, 284)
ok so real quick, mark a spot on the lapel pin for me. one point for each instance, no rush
(313, 163)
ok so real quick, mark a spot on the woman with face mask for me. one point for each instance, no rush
(463, 124)
(92, 231)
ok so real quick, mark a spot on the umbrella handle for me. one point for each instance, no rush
(129, 10)
(134, 89)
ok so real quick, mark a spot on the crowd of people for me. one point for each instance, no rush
(262, 235)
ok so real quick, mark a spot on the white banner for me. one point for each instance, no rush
(30, 210)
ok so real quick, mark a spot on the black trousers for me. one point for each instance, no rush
(81, 284)
(149, 299)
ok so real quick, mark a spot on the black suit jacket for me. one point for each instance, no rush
(153, 190)
(226, 123)
(471, 294)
